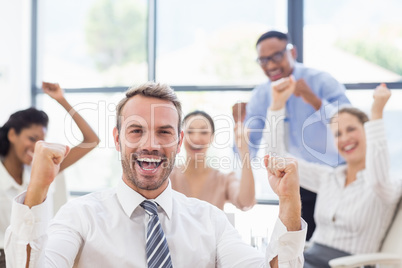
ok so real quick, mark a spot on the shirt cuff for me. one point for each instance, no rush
(286, 245)
(29, 223)
(276, 113)
(375, 129)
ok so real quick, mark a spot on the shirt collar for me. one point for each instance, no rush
(7, 182)
(340, 175)
(297, 70)
(130, 199)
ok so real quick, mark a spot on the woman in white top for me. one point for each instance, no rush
(17, 142)
(355, 201)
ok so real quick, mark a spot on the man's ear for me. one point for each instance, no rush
(181, 136)
(293, 51)
(116, 138)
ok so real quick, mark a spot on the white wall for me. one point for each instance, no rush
(15, 22)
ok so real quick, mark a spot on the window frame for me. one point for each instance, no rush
(295, 30)
(295, 21)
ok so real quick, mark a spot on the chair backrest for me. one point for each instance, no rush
(393, 240)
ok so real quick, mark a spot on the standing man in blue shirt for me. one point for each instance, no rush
(308, 109)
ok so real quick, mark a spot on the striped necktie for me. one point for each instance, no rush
(157, 249)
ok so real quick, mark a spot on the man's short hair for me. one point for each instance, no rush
(272, 34)
(152, 90)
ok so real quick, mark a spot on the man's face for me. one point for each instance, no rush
(274, 48)
(148, 141)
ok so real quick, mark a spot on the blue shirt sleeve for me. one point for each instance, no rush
(256, 113)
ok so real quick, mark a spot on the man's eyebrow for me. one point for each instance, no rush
(134, 126)
(166, 127)
(202, 127)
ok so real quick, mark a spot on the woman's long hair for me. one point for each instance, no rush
(18, 121)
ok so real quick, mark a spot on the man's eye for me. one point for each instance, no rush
(136, 131)
(277, 57)
(32, 139)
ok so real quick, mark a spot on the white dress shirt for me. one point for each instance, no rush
(354, 218)
(108, 229)
(9, 189)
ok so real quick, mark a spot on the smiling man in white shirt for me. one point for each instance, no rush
(109, 228)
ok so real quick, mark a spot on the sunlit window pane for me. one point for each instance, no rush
(356, 41)
(207, 42)
(94, 43)
(101, 168)
(14, 57)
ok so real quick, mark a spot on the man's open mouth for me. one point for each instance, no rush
(149, 163)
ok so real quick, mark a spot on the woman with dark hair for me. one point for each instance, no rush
(17, 143)
(356, 200)
(197, 179)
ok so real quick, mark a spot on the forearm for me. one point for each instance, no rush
(316, 103)
(376, 114)
(35, 195)
(246, 196)
(378, 163)
(274, 263)
(290, 212)
(274, 134)
(90, 139)
(89, 136)
(377, 155)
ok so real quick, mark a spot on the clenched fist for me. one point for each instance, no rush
(284, 180)
(381, 96)
(45, 166)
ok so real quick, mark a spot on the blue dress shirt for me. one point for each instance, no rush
(308, 136)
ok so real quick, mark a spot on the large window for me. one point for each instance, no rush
(208, 42)
(101, 168)
(93, 43)
(102, 46)
(356, 41)
(14, 56)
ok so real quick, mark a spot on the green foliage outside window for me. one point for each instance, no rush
(116, 32)
(385, 49)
